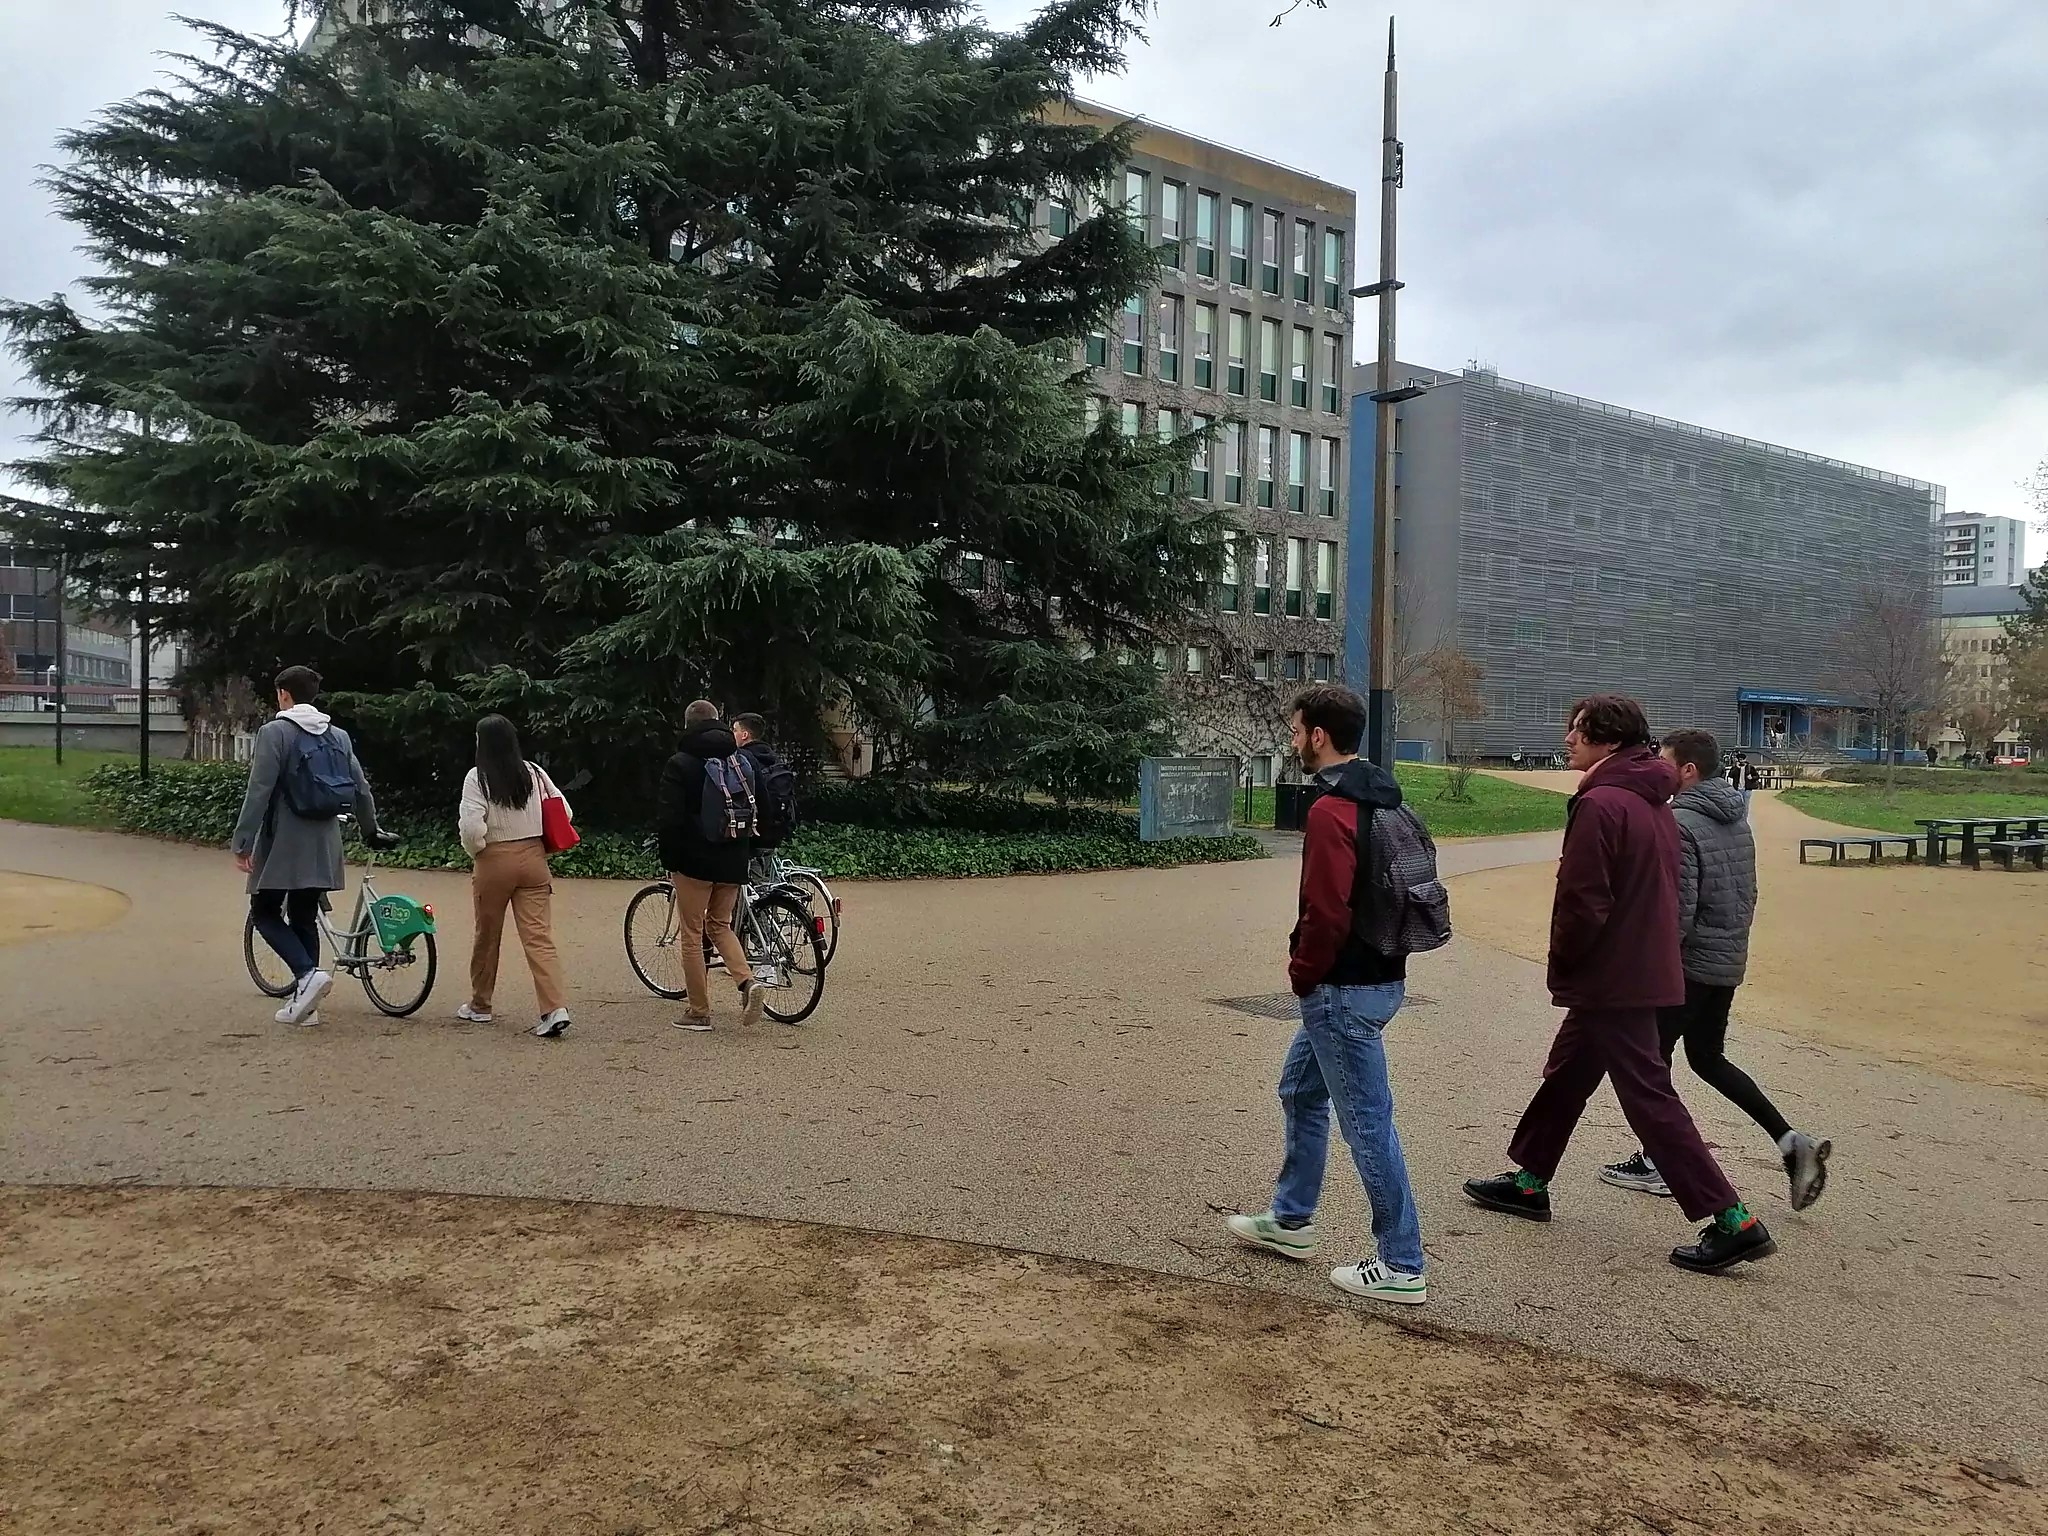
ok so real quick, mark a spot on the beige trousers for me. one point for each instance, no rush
(703, 908)
(514, 875)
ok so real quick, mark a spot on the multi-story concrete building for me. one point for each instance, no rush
(1972, 628)
(1982, 551)
(1249, 330)
(32, 615)
(1571, 547)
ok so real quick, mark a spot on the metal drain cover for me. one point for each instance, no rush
(1285, 1005)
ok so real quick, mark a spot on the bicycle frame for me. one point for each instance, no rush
(352, 946)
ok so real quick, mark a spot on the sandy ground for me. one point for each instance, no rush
(32, 907)
(1944, 967)
(379, 1363)
(1049, 1065)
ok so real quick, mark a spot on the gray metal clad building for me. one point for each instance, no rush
(1572, 547)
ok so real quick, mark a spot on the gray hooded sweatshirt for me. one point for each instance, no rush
(1716, 882)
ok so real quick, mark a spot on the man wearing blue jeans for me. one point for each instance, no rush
(1349, 993)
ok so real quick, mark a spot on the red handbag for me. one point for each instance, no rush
(557, 833)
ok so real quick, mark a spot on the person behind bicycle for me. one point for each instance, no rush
(775, 783)
(303, 775)
(704, 820)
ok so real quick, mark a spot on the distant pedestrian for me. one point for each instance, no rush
(500, 824)
(704, 821)
(303, 776)
(1716, 906)
(1350, 989)
(1614, 961)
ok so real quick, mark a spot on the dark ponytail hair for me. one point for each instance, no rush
(500, 767)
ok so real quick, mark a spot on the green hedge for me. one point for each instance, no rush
(871, 835)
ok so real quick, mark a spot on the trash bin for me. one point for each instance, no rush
(1291, 803)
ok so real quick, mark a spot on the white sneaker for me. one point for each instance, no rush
(1263, 1231)
(470, 1015)
(305, 999)
(753, 1002)
(310, 1021)
(1375, 1281)
(553, 1026)
(1636, 1172)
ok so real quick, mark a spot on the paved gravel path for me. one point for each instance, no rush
(1040, 1063)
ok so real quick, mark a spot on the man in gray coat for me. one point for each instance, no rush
(294, 860)
(1716, 905)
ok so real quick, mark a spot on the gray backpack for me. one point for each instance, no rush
(1399, 906)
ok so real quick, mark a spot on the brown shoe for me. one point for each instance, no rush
(696, 1021)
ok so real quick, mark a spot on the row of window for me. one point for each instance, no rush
(25, 605)
(1251, 458)
(1295, 666)
(1179, 227)
(1268, 560)
(1314, 369)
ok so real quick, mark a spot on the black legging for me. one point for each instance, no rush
(1702, 1022)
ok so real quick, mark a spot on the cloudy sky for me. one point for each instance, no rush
(1819, 223)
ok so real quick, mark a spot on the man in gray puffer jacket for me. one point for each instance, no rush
(1716, 904)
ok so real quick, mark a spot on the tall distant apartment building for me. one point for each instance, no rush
(1249, 329)
(1982, 551)
(1571, 547)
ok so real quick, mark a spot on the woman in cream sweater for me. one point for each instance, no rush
(500, 826)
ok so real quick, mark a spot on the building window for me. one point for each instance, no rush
(1262, 766)
(1137, 187)
(1134, 335)
(1091, 411)
(1297, 374)
(1169, 337)
(1205, 233)
(1098, 349)
(1198, 660)
(1297, 471)
(1241, 244)
(1333, 373)
(1130, 420)
(1295, 667)
(1199, 485)
(974, 572)
(1227, 589)
(1326, 493)
(1236, 361)
(1269, 464)
(1324, 667)
(1262, 594)
(1269, 251)
(1326, 577)
(1172, 211)
(1269, 360)
(1162, 659)
(1333, 268)
(1304, 261)
(1205, 346)
(1168, 426)
(1297, 557)
(1062, 220)
(1233, 462)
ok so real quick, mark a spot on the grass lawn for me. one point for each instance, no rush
(34, 788)
(1495, 808)
(1867, 807)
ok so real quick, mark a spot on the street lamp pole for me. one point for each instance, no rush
(1380, 698)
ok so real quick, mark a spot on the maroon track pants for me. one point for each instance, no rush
(1621, 1043)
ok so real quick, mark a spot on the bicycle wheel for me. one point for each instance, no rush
(819, 895)
(782, 942)
(272, 976)
(651, 940)
(398, 983)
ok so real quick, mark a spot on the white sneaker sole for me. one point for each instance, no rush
(308, 1007)
(1641, 1186)
(1402, 1297)
(1299, 1254)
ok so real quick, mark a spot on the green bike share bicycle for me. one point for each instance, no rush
(388, 945)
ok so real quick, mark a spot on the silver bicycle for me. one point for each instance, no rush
(388, 945)
(782, 938)
(770, 868)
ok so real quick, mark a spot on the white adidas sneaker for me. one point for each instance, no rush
(1374, 1281)
(1264, 1231)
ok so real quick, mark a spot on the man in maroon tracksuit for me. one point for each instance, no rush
(1613, 963)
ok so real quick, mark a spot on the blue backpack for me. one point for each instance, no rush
(731, 809)
(318, 781)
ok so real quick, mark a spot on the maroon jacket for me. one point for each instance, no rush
(1325, 949)
(1614, 925)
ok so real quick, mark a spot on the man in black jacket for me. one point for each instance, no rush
(707, 875)
(774, 788)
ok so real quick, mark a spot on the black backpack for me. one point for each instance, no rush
(318, 782)
(1399, 905)
(775, 793)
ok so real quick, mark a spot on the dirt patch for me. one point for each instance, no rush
(35, 907)
(222, 1361)
(1939, 967)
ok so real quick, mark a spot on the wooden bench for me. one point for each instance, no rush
(1838, 847)
(2009, 849)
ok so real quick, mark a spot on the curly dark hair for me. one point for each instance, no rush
(1611, 720)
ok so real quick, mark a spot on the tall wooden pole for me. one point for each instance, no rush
(1380, 699)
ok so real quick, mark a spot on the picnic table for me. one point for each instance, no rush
(1973, 832)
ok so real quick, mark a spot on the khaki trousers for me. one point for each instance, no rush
(703, 908)
(515, 875)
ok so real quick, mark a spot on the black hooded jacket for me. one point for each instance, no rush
(684, 848)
